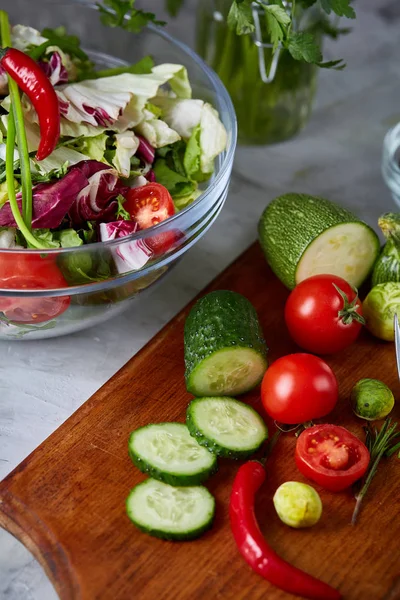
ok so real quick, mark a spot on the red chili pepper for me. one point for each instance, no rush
(35, 84)
(255, 550)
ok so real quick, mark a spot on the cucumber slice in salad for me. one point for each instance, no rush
(167, 451)
(170, 513)
(226, 426)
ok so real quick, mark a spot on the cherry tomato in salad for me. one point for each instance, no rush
(323, 314)
(331, 456)
(298, 388)
(31, 271)
(149, 205)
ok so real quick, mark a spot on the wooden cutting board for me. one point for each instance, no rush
(66, 501)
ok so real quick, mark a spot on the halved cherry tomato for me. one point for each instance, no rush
(35, 272)
(319, 318)
(331, 456)
(149, 205)
(298, 388)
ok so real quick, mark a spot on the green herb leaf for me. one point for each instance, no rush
(142, 67)
(326, 27)
(341, 8)
(278, 22)
(382, 443)
(58, 37)
(240, 17)
(303, 46)
(336, 65)
(122, 13)
(122, 213)
(174, 6)
(57, 173)
(306, 3)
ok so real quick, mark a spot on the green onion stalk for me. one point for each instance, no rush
(16, 132)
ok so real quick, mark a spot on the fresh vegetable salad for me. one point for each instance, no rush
(111, 152)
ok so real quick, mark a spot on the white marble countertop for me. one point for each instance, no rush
(337, 156)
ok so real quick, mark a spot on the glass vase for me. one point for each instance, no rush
(270, 112)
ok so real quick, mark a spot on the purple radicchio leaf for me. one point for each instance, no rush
(96, 200)
(51, 202)
(54, 69)
(3, 82)
(128, 256)
(86, 193)
(151, 176)
(145, 150)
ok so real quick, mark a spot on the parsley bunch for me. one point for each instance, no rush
(122, 13)
(279, 19)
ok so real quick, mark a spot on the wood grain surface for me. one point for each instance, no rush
(66, 501)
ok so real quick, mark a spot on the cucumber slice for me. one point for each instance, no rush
(225, 352)
(226, 426)
(166, 451)
(347, 250)
(303, 235)
(170, 513)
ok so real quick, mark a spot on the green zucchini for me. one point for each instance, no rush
(226, 426)
(225, 352)
(167, 451)
(387, 266)
(303, 235)
(170, 513)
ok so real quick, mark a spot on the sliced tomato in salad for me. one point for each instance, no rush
(34, 272)
(149, 205)
(331, 456)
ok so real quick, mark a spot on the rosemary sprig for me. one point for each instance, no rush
(383, 443)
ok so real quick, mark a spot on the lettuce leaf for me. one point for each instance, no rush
(55, 163)
(90, 147)
(7, 237)
(177, 185)
(213, 138)
(102, 101)
(126, 145)
(156, 131)
(184, 116)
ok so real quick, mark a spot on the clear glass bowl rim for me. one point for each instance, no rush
(175, 219)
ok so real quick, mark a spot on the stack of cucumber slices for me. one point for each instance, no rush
(225, 354)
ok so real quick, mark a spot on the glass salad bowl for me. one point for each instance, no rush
(100, 280)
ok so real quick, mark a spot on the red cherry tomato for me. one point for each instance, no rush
(298, 388)
(31, 271)
(331, 456)
(319, 318)
(149, 205)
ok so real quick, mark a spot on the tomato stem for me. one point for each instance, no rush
(349, 313)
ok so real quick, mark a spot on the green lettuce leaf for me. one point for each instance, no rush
(92, 147)
(192, 157)
(156, 131)
(68, 238)
(126, 145)
(177, 185)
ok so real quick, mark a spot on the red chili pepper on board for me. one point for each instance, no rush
(35, 84)
(255, 550)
